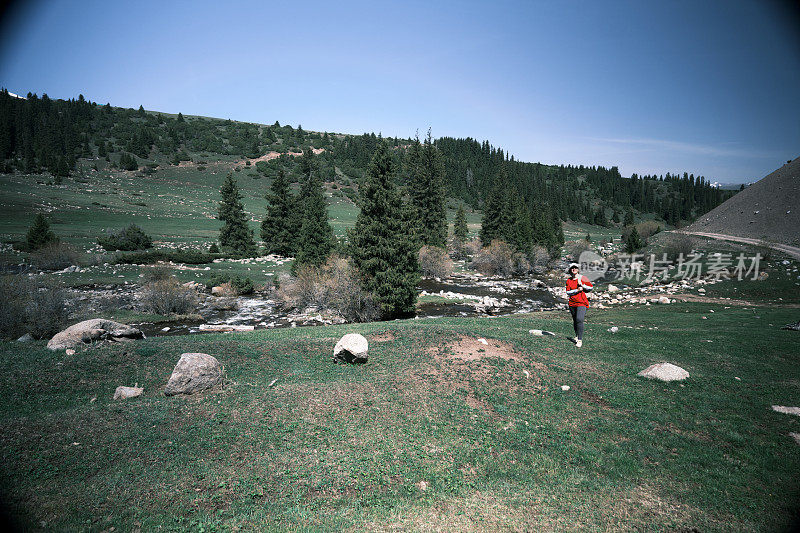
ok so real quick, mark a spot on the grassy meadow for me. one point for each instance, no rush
(437, 432)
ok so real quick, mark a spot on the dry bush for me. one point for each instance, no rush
(168, 297)
(156, 273)
(434, 262)
(576, 248)
(333, 286)
(31, 307)
(457, 248)
(500, 259)
(55, 256)
(678, 244)
(473, 247)
(540, 259)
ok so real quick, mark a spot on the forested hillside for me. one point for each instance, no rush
(39, 134)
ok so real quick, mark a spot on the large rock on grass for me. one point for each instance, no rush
(664, 372)
(194, 372)
(352, 348)
(96, 329)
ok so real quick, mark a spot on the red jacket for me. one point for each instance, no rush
(577, 297)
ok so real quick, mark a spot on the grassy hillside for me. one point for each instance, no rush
(436, 432)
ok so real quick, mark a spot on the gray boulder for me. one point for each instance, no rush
(123, 393)
(352, 348)
(96, 329)
(194, 372)
(664, 372)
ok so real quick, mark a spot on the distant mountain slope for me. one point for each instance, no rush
(769, 209)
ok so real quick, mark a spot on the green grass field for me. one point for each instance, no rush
(437, 432)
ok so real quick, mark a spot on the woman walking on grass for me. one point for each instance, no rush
(577, 288)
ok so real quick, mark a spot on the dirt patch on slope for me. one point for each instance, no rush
(472, 349)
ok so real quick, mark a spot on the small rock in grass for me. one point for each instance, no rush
(123, 393)
(786, 410)
(352, 348)
(664, 372)
(537, 332)
(613, 288)
(422, 485)
(796, 437)
(70, 351)
(25, 338)
(483, 341)
(565, 387)
(613, 329)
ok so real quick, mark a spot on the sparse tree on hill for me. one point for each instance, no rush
(382, 252)
(234, 235)
(39, 234)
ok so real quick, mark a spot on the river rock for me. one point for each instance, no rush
(664, 372)
(352, 348)
(663, 300)
(194, 372)
(93, 330)
(123, 393)
(613, 288)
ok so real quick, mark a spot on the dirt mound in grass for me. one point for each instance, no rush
(472, 349)
(768, 209)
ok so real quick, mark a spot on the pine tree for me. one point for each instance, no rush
(492, 212)
(315, 239)
(382, 252)
(277, 231)
(39, 233)
(460, 230)
(633, 242)
(235, 235)
(430, 200)
(628, 218)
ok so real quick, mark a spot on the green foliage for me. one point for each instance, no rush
(127, 239)
(235, 235)
(425, 169)
(633, 242)
(278, 230)
(382, 251)
(241, 285)
(460, 230)
(315, 238)
(127, 162)
(39, 233)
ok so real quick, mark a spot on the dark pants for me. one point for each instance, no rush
(578, 314)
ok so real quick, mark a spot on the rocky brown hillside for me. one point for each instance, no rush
(769, 209)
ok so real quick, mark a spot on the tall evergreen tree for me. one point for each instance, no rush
(430, 199)
(382, 252)
(460, 230)
(277, 231)
(235, 235)
(39, 233)
(315, 239)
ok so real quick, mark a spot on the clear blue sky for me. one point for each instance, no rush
(710, 87)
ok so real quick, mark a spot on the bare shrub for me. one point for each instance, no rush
(156, 273)
(31, 307)
(645, 229)
(333, 286)
(576, 248)
(473, 247)
(434, 262)
(540, 259)
(167, 297)
(55, 256)
(500, 259)
(677, 245)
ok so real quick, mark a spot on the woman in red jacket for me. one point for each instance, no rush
(577, 288)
